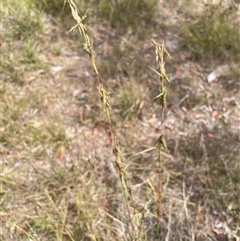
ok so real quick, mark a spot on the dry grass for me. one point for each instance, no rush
(78, 159)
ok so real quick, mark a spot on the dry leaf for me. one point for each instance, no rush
(60, 153)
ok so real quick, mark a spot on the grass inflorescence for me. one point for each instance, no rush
(103, 135)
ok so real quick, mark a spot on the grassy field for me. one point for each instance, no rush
(110, 127)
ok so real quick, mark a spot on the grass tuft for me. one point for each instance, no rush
(122, 14)
(214, 34)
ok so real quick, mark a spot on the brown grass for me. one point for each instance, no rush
(86, 152)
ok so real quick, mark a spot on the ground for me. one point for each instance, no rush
(59, 175)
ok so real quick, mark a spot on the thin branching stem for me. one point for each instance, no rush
(105, 99)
